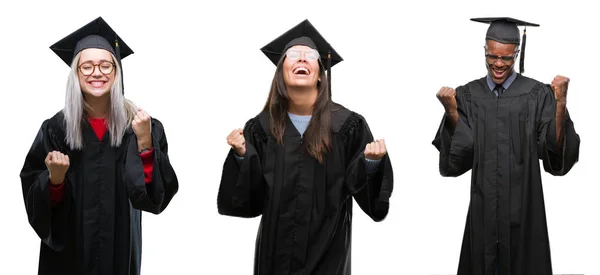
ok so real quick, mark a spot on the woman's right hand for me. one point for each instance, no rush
(237, 141)
(57, 164)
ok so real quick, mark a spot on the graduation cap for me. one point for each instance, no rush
(96, 34)
(307, 35)
(505, 30)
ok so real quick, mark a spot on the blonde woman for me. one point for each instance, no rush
(95, 164)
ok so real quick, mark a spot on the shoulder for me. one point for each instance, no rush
(258, 126)
(482, 81)
(533, 83)
(529, 80)
(157, 130)
(534, 88)
(57, 120)
(53, 130)
(339, 116)
(345, 121)
(465, 91)
(156, 123)
(55, 126)
(473, 89)
(475, 84)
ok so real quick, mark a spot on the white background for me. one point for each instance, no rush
(211, 77)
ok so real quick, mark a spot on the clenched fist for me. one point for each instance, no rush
(141, 127)
(560, 85)
(447, 96)
(237, 141)
(375, 150)
(57, 164)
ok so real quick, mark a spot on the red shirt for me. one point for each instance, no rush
(57, 193)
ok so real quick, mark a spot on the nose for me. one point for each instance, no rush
(97, 73)
(302, 57)
(498, 63)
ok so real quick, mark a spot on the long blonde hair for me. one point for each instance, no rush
(120, 114)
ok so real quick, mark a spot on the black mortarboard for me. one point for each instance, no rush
(505, 30)
(96, 34)
(303, 34)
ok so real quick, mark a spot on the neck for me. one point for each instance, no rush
(302, 101)
(99, 106)
(510, 74)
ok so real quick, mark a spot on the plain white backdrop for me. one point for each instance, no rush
(197, 67)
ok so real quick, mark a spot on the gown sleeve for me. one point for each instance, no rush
(155, 196)
(558, 159)
(371, 191)
(57, 194)
(456, 145)
(242, 188)
(49, 222)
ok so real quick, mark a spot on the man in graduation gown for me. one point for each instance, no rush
(499, 126)
(85, 202)
(305, 203)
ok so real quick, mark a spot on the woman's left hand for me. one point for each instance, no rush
(141, 127)
(375, 150)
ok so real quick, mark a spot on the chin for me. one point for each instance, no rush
(96, 93)
(499, 80)
(302, 84)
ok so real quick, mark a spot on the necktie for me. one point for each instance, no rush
(499, 90)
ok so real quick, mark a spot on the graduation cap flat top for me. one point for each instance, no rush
(302, 34)
(96, 34)
(504, 29)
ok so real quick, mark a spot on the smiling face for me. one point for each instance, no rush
(96, 71)
(301, 67)
(500, 60)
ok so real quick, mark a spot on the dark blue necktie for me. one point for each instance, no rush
(499, 90)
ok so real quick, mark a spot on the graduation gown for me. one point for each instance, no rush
(501, 141)
(306, 206)
(96, 229)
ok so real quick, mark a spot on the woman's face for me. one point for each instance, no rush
(301, 67)
(96, 71)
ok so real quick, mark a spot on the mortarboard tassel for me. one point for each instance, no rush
(118, 53)
(329, 73)
(522, 61)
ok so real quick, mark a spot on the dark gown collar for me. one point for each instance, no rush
(339, 115)
(520, 86)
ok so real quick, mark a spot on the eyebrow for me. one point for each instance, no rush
(494, 55)
(91, 61)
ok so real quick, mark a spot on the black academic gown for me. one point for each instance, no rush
(306, 207)
(96, 230)
(501, 140)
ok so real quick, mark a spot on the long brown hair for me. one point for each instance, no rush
(317, 137)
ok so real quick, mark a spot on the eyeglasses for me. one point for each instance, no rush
(88, 68)
(310, 55)
(493, 58)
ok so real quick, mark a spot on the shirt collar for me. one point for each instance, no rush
(505, 84)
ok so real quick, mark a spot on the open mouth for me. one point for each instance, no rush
(97, 84)
(498, 73)
(301, 71)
